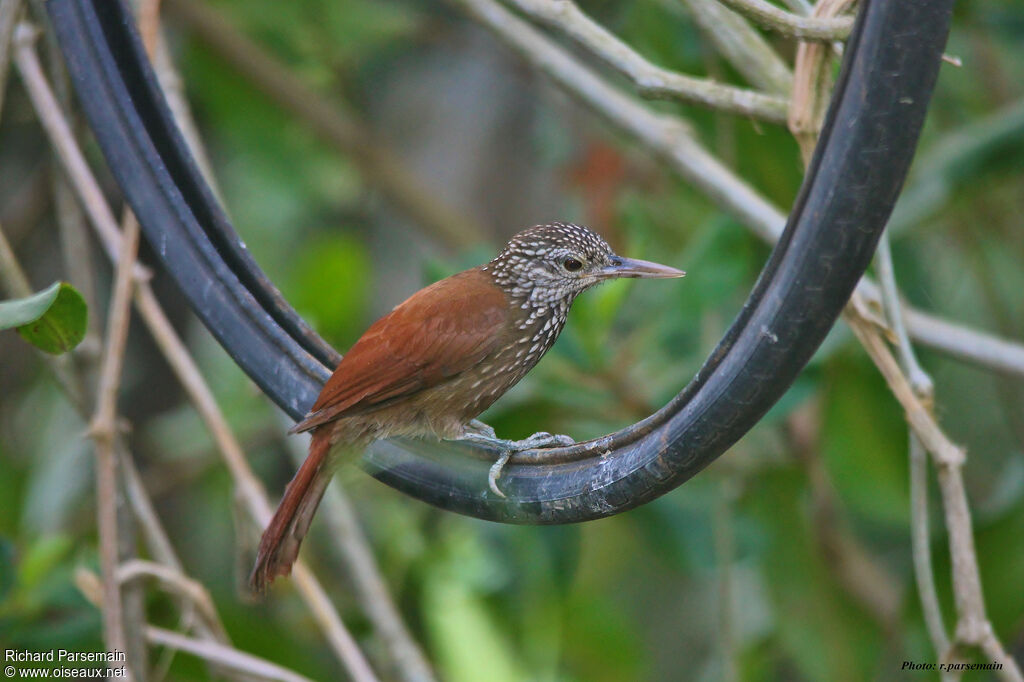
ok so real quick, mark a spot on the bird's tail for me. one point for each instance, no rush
(279, 546)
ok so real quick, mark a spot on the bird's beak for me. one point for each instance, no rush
(632, 267)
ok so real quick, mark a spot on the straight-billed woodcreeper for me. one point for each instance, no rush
(439, 359)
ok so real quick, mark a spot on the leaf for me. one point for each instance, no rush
(41, 558)
(53, 320)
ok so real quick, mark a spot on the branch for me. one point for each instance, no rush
(787, 23)
(742, 46)
(13, 279)
(223, 656)
(178, 584)
(921, 383)
(812, 83)
(369, 585)
(651, 80)
(330, 122)
(973, 627)
(981, 348)
(103, 429)
(669, 138)
(9, 10)
(188, 374)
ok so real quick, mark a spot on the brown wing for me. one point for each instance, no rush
(436, 333)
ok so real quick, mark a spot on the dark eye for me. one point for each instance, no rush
(571, 264)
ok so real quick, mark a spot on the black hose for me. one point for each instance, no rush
(881, 97)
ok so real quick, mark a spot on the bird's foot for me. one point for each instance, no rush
(508, 448)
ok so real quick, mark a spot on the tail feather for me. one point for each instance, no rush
(279, 546)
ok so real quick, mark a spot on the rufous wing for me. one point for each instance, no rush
(434, 335)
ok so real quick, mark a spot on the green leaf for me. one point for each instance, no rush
(41, 558)
(468, 641)
(54, 320)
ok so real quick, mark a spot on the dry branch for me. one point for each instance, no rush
(742, 46)
(339, 128)
(103, 430)
(101, 218)
(787, 23)
(651, 80)
(669, 138)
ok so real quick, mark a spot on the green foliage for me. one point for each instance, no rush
(329, 285)
(635, 597)
(53, 320)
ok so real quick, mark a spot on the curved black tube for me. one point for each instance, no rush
(891, 63)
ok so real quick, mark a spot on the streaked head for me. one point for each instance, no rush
(560, 260)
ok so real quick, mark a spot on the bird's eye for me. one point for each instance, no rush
(571, 264)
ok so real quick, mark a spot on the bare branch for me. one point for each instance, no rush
(63, 140)
(330, 122)
(224, 656)
(248, 485)
(812, 82)
(177, 583)
(13, 279)
(981, 348)
(9, 10)
(176, 352)
(923, 386)
(369, 585)
(742, 46)
(651, 80)
(669, 138)
(787, 23)
(103, 430)
(973, 627)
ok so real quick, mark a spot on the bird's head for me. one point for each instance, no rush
(557, 261)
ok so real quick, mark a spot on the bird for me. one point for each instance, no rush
(436, 361)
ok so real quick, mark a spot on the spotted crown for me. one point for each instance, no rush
(531, 266)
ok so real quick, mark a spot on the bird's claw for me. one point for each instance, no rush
(495, 472)
(511, 447)
(478, 432)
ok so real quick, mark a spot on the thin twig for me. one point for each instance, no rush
(339, 128)
(177, 583)
(742, 46)
(103, 429)
(920, 545)
(998, 354)
(812, 82)
(13, 279)
(668, 137)
(369, 585)
(63, 141)
(919, 379)
(973, 627)
(787, 23)
(651, 80)
(148, 18)
(177, 354)
(248, 485)
(224, 656)
(921, 383)
(9, 10)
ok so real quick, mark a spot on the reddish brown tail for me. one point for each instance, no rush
(280, 543)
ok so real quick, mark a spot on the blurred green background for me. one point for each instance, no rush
(733, 573)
